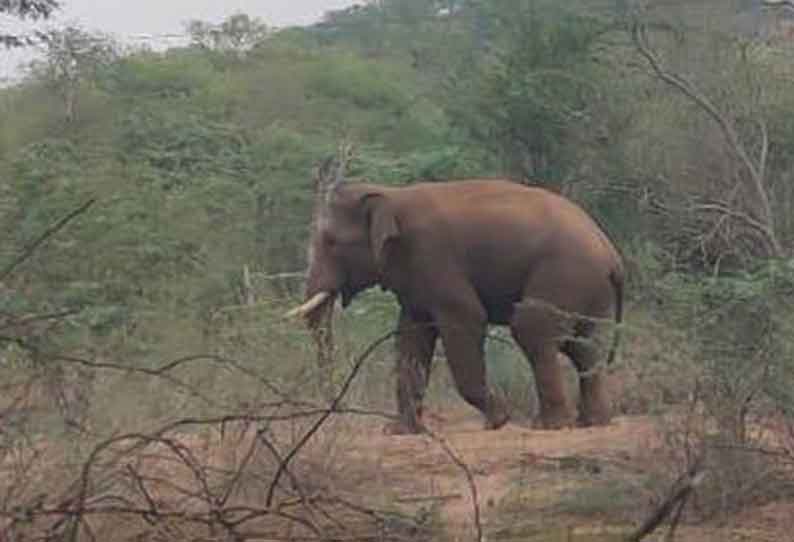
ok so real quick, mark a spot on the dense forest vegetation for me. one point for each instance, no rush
(182, 183)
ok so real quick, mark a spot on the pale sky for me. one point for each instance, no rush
(131, 19)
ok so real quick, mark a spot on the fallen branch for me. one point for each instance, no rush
(673, 504)
(475, 501)
(431, 498)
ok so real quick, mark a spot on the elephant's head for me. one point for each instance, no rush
(352, 229)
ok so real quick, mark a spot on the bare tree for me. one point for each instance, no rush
(72, 56)
(238, 34)
(25, 10)
(745, 210)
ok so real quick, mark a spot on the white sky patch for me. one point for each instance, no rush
(161, 22)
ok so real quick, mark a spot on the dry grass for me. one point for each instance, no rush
(241, 445)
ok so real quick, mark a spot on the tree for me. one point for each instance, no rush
(238, 34)
(528, 84)
(72, 56)
(25, 10)
(741, 216)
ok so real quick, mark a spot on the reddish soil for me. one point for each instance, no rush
(418, 469)
(493, 457)
(575, 485)
(548, 465)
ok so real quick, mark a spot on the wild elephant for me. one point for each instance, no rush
(459, 256)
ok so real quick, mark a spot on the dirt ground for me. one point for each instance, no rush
(574, 485)
(536, 485)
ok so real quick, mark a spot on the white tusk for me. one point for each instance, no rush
(318, 299)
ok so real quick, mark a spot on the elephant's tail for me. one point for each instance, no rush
(616, 278)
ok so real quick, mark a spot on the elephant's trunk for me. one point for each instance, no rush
(324, 281)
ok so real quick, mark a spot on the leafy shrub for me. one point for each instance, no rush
(364, 84)
(181, 147)
(152, 75)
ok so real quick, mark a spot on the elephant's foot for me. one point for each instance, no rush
(594, 419)
(594, 409)
(553, 425)
(560, 419)
(497, 423)
(401, 427)
(498, 415)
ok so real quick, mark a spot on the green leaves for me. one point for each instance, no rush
(150, 75)
(180, 147)
(530, 86)
(364, 85)
(201, 157)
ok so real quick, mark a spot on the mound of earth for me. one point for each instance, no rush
(533, 484)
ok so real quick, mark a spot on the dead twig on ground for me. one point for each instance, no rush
(674, 504)
(475, 501)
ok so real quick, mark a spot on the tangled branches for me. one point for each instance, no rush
(249, 474)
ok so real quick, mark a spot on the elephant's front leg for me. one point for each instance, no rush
(463, 333)
(415, 346)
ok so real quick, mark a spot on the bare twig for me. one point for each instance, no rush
(115, 483)
(756, 171)
(475, 501)
(331, 409)
(49, 232)
(678, 497)
(13, 321)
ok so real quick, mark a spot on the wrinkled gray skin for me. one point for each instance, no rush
(459, 256)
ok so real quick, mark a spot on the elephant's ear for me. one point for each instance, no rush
(384, 226)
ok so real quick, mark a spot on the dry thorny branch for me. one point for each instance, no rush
(687, 443)
(38, 241)
(673, 505)
(158, 485)
(755, 214)
(716, 464)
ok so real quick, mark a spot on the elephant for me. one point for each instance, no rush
(461, 255)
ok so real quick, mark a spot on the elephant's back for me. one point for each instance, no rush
(494, 209)
(505, 232)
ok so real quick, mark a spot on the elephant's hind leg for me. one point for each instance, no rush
(416, 342)
(594, 408)
(538, 331)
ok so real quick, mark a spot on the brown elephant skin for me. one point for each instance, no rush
(461, 255)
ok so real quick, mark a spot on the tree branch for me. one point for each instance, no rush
(49, 232)
(332, 408)
(756, 172)
(675, 502)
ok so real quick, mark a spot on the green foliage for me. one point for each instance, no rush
(436, 163)
(151, 75)
(200, 162)
(353, 81)
(531, 85)
(201, 166)
(47, 167)
(740, 328)
(175, 148)
(201, 159)
(238, 33)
